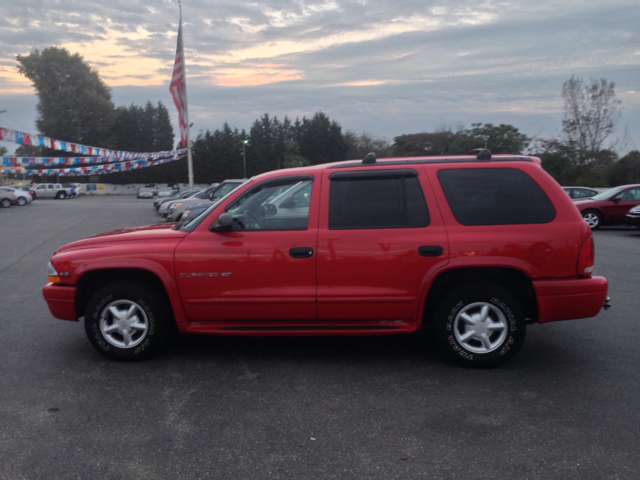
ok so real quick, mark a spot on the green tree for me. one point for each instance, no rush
(497, 138)
(426, 143)
(359, 145)
(321, 139)
(626, 170)
(74, 104)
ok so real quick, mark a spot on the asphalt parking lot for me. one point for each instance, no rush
(567, 406)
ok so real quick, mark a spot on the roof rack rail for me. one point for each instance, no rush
(480, 153)
(369, 158)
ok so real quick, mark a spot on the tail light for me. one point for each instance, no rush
(586, 259)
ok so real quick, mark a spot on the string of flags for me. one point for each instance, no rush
(8, 135)
(99, 162)
(95, 169)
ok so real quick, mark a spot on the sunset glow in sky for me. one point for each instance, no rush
(381, 67)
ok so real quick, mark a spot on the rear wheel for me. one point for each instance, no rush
(125, 321)
(593, 218)
(22, 201)
(61, 195)
(479, 325)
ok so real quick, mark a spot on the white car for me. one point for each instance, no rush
(22, 197)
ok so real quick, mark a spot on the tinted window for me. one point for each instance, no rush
(357, 202)
(495, 196)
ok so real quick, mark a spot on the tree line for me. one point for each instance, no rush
(75, 105)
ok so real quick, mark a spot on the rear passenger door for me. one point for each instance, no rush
(380, 235)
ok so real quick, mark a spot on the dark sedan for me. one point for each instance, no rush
(610, 207)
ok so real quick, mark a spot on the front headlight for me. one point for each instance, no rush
(52, 274)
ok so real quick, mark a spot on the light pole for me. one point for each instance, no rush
(244, 157)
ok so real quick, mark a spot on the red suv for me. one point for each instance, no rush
(610, 207)
(471, 247)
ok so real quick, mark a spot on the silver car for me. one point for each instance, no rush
(21, 197)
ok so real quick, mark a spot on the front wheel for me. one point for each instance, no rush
(5, 203)
(479, 325)
(125, 321)
(593, 218)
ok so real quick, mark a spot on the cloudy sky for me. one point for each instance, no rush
(383, 67)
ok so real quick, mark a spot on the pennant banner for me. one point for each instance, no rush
(92, 170)
(8, 135)
(50, 161)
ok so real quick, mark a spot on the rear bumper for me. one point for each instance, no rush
(61, 301)
(570, 298)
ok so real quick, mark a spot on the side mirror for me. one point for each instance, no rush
(268, 210)
(617, 198)
(224, 223)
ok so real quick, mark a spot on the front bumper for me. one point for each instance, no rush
(630, 219)
(61, 300)
(570, 298)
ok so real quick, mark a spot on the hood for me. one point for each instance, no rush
(161, 231)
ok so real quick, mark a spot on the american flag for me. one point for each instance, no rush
(178, 86)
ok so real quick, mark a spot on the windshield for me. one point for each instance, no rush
(607, 194)
(195, 221)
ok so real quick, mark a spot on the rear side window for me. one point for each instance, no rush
(495, 196)
(381, 199)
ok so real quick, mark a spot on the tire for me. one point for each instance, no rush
(145, 322)
(5, 203)
(61, 195)
(22, 201)
(593, 218)
(479, 325)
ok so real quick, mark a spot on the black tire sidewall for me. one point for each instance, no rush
(5, 203)
(156, 309)
(455, 300)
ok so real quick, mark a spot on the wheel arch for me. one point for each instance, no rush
(91, 281)
(512, 280)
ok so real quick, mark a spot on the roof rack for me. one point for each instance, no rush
(480, 153)
(369, 158)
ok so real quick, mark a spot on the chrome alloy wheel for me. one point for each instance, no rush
(124, 323)
(480, 327)
(592, 219)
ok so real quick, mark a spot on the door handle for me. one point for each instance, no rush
(301, 252)
(430, 251)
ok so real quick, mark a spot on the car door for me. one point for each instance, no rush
(615, 210)
(262, 268)
(379, 236)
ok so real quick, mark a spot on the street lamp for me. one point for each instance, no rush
(244, 157)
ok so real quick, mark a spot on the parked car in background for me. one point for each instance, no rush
(28, 189)
(609, 207)
(52, 190)
(165, 192)
(7, 198)
(633, 217)
(160, 200)
(144, 192)
(580, 192)
(163, 211)
(153, 187)
(213, 193)
(193, 212)
(22, 197)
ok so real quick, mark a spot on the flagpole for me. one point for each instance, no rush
(188, 145)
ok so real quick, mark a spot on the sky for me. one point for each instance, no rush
(378, 67)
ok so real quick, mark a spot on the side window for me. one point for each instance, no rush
(280, 204)
(495, 196)
(631, 195)
(376, 200)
